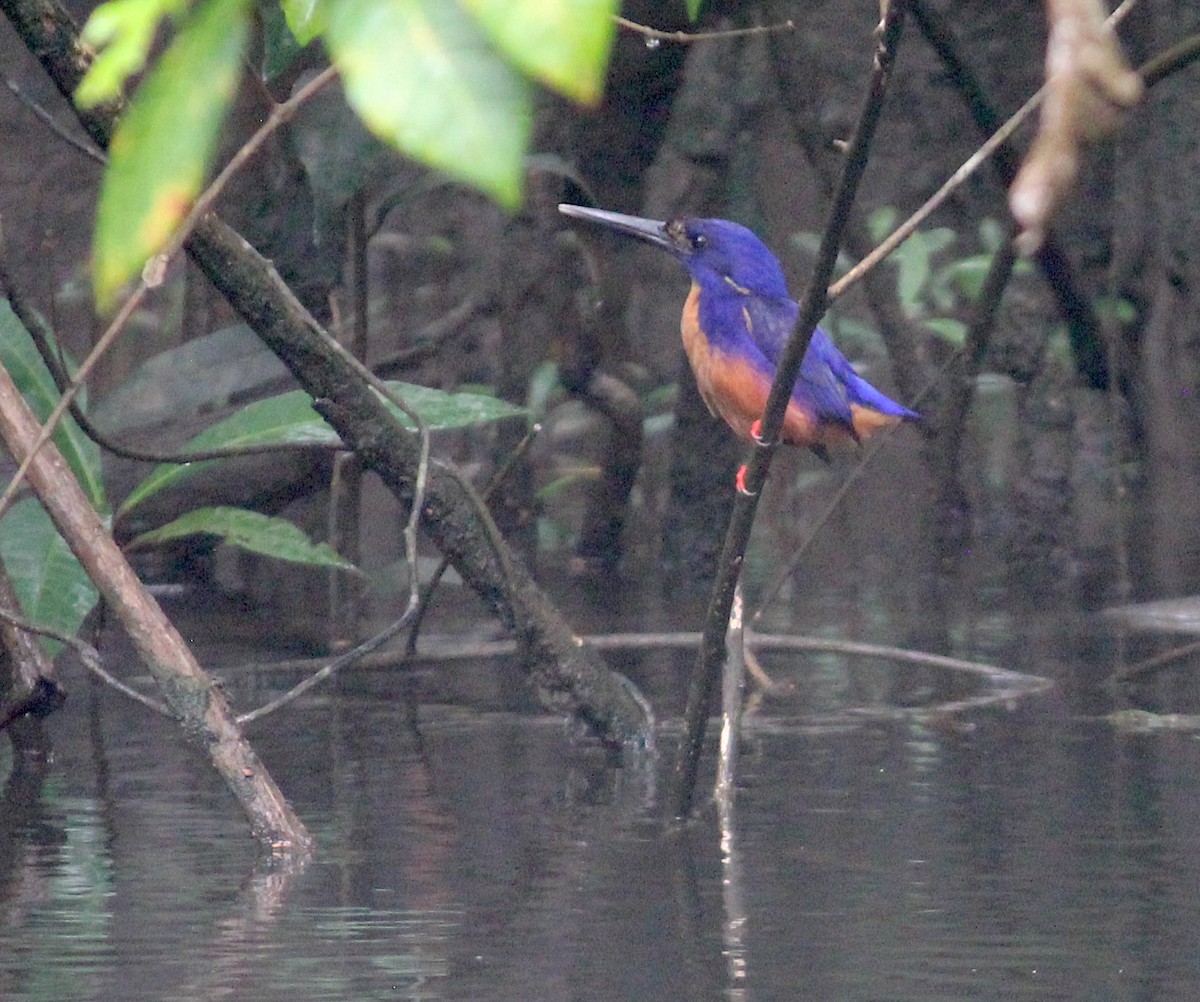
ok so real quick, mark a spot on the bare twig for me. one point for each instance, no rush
(52, 123)
(88, 656)
(334, 666)
(498, 477)
(687, 37)
(972, 164)
(689, 640)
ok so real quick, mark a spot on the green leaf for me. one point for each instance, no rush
(248, 530)
(968, 275)
(290, 419)
(19, 356)
(281, 37)
(305, 18)
(693, 8)
(422, 76)
(949, 329)
(50, 583)
(881, 222)
(914, 259)
(564, 43)
(163, 144)
(122, 31)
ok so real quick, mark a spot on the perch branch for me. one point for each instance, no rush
(708, 662)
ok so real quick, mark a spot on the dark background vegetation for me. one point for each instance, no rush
(744, 128)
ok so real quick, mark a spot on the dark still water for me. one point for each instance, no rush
(473, 850)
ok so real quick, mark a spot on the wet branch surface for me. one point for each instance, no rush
(712, 650)
(570, 678)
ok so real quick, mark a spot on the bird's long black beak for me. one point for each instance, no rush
(651, 230)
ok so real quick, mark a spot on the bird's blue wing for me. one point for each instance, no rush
(821, 388)
(827, 384)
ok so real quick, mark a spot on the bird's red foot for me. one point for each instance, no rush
(740, 480)
(756, 431)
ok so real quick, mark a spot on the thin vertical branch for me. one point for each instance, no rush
(708, 662)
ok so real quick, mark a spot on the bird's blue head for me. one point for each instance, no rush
(716, 252)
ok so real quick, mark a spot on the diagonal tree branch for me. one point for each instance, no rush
(195, 700)
(569, 677)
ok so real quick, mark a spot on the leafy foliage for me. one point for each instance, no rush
(20, 357)
(52, 587)
(444, 81)
(563, 45)
(160, 152)
(289, 419)
(250, 530)
(423, 77)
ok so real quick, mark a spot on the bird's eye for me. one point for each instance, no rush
(699, 241)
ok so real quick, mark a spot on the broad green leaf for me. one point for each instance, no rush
(564, 43)
(693, 8)
(290, 419)
(248, 530)
(50, 583)
(200, 376)
(163, 144)
(19, 356)
(122, 31)
(422, 76)
(305, 18)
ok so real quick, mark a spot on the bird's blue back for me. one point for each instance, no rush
(744, 309)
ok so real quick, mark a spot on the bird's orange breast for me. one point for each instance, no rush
(736, 390)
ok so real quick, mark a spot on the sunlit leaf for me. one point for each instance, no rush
(306, 18)
(247, 530)
(122, 32)
(289, 419)
(564, 43)
(19, 356)
(694, 7)
(163, 144)
(50, 583)
(422, 76)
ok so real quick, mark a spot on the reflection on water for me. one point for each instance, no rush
(477, 852)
